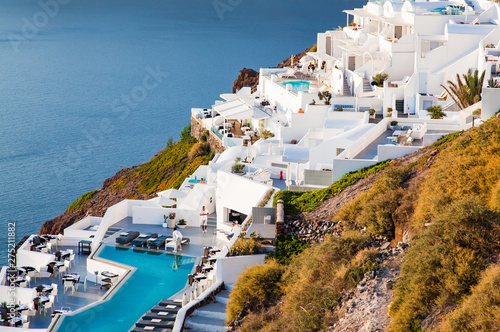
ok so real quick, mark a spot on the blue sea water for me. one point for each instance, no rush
(73, 104)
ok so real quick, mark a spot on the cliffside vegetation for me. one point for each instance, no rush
(82, 200)
(444, 200)
(167, 169)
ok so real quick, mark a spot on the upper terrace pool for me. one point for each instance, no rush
(298, 85)
(158, 276)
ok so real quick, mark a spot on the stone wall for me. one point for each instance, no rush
(197, 130)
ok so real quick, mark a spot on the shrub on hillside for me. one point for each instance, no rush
(243, 246)
(258, 286)
(82, 200)
(481, 310)
(199, 149)
(286, 248)
(445, 261)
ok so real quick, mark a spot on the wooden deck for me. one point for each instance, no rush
(238, 133)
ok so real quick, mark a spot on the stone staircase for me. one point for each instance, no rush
(400, 108)
(367, 87)
(345, 88)
(211, 317)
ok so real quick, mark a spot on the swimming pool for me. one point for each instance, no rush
(298, 85)
(158, 276)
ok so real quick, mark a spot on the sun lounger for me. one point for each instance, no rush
(142, 239)
(127, 237)
(171, 243)
(158, 242)
(156, 322)
(165, 308)
(149, 329)
(164, 315)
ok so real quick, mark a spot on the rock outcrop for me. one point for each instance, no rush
(250, 78)
(246, 78)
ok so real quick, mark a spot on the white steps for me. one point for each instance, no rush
(211, 317)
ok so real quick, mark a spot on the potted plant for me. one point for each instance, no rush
(393, 124)
(165, 221)
(182, 223)
(389, 112)
(372, 113)
(171, 218)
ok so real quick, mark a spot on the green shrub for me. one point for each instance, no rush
(82, 200)
(286, 248)
(379, 79)
(166, 170)
(257, 286)
(339, 109)
(266, 134)
(371, 111)
(186, 133)
(243, 246)
(238, 167)
(199, 149)
(394, 123)
(204, 137)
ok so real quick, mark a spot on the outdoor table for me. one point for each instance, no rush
(21, 307)
(15, 321)
(18, 280)
(199, 276)
(44, 289)
(243, 129)
(59, 311)
(398, 133)
(84, 246)
(40, 247)
(207, 267)
(250, 133)
(29, 268)
(74, 277)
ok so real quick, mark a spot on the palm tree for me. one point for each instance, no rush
(468, 92)
(436, 112)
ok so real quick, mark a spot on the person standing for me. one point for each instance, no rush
(177, 235)
(203, 219)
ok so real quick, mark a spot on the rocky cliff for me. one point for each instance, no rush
(250, 78)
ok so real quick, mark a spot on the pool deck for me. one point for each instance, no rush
(73, 300)
(198, 240)
(80, 298)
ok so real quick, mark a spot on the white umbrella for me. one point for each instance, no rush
(297, 175)
(291, 61)
(184, 299)
(306, 58)
(164, 201)
(192, 296)
(172, 194)
(288, 175)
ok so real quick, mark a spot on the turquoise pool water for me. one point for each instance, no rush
(158, 276)
(298, 85)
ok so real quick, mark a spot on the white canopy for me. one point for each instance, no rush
(172, 194)
(164, 201)
(238, 110)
